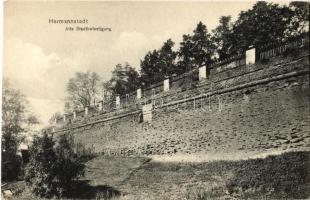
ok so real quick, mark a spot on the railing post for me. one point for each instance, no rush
(118, 102)
(250, 56)
(166, 85)
(74, 114)
(86, 111)
(100, 106)
(201, 103)
(202, 73)
(64, 117)
(127, 100)
(139, 93)
(209, 101)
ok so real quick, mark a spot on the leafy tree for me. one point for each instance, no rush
(13, 118)
(150, 68)
(222, 37)
(204, 48)
(133, 80)
(32, 119)
(16, 121)
(40, 169)
(159, 64)
(53, 166)
(125, 79)
(196, 50)
(167, 59)
(68, 165)
(265, 22)
(83, 90)
(300, 18)
(185, 54)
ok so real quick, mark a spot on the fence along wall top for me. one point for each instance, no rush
(228, 60)
(271, 45)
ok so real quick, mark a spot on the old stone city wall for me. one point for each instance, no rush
(247, 107)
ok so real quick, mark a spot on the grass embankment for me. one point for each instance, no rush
(285, 176)
(274, 177)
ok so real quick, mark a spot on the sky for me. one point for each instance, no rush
(40, 57)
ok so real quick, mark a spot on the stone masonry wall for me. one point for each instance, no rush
(253, 107)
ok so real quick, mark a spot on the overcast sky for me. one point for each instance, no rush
(39, 57)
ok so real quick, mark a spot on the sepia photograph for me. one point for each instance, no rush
(155, 100)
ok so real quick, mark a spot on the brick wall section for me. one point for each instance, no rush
(272, 114)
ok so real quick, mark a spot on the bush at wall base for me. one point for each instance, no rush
(53, 166)
(11, 166)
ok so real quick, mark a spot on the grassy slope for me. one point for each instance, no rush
(274, 177)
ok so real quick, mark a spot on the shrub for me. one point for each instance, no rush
(11, 166)
(53, 166)
(68, 165)
(40, 170)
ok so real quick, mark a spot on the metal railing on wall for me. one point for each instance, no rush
(274, 49)
(228, 63)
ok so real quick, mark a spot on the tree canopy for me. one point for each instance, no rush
(125, 79)
(83, 90)
(196, 50)
(16, 121)
(159, 64)
(264, 23)
(222, 37)
(150, 68)
(54, 166)
(14, 117)
(299, 23)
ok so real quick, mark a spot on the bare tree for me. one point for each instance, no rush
(83, 90)
(54, 117)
